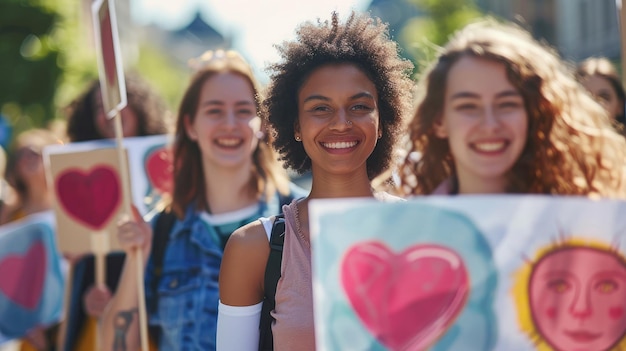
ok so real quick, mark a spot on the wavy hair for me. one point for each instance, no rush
(571, 148)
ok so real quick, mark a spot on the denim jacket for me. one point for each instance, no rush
(188, 289)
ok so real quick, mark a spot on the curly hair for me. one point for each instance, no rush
(267, 174)
(149, 107)
(362, 41)
(602, 67)
(571, 148)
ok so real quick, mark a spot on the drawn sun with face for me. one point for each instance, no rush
(572, 296)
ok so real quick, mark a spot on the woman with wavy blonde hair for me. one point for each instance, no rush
(499, 112)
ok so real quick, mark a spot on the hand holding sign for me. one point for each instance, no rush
(110, 66)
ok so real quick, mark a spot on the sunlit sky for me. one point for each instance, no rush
(255, 25)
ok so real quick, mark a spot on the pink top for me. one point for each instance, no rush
(444, 188)
(293, 329)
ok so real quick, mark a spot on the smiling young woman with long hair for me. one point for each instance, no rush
(225, 175)
(499, 112)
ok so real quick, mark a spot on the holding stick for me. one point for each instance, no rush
(114, 100)
(143, 319)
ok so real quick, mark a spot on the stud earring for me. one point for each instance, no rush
(348, 122)
(298, 138)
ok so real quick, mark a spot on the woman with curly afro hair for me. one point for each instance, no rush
(145, 114)
(335, 103)
(499, 112)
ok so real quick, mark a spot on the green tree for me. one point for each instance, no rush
(28, 62)
(39, 57)
(167, 77)
(47, 59)
(421, 35)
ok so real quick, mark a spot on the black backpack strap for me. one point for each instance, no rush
(162, 229)
(272, 274)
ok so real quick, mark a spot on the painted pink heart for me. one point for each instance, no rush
(92, 197)
(23, 276)
(159, 168)
(406, 300)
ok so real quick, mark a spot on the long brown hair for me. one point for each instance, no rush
(571, 148)
(267, 174)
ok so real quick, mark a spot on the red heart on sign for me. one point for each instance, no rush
(407, 300)
(23, 276)
(159, 169)
(91, 198)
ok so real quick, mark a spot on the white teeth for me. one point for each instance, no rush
(229, 141)
(489, 147)
(340, 145)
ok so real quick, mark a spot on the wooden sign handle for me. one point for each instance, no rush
(143, 318)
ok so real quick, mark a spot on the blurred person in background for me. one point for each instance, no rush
(600, 77)
(8, 195)
(145, 114)
(26, 174)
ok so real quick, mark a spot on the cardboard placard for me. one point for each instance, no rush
(110, 66)
(470, 273)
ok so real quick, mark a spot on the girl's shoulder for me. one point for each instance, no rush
(250, 238)
(242, 271)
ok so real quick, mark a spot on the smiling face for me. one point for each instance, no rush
(604, 93)
(226, 121)
(486, 123)
(338, 119)
(578, 299)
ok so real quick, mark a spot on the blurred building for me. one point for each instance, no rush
(180, 44)
(395, 13)
(126, 32)
(576, 28)
(189, 41)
